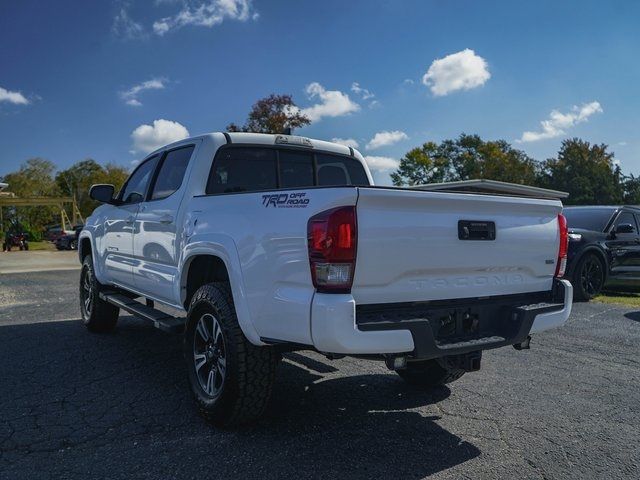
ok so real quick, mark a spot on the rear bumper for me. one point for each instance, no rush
(435, 329)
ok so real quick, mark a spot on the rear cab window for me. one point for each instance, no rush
(254, 169)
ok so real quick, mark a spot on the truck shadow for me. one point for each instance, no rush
(67, 390)
(635, 316)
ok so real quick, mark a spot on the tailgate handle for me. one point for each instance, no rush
(476, 230)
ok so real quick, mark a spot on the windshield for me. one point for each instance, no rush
(594, 219)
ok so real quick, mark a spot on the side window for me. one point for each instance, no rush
(136, 186)
(628, 218)
(243, 170)
(296, 169)
(171, 172)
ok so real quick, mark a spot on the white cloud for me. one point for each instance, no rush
(381, 164)
(130, 97)
(558, 122)
(333, 103)
(147, 138)
(125, 27)
(363, 92)
(383, 139)
(207, 13)
(16, 98)
(622, 144)
(459, 71)
(347, 142)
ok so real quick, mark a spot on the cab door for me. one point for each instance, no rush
(624, 244)
(116, 244)
(157, 243)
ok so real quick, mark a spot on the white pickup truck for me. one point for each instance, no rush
(275, 243)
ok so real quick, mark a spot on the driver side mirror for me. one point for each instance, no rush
(625, 228)
(102, 193)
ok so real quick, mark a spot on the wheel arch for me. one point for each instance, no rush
(209, 262)
(599, 253)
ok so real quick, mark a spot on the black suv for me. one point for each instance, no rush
(604, 249)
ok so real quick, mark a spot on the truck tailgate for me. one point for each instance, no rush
(410, 248)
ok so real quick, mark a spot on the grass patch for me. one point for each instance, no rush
(39, 246)
(619, 298)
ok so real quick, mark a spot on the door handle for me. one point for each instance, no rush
(166, 219)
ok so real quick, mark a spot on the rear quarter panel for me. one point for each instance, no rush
(269, 234)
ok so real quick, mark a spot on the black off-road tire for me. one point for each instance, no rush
(97, 315)
(430, 373)
(588, 278)
(249, 374)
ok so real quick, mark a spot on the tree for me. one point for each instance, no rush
(421, 165)
(588, 172)
(77, 180)
(34, 178)
(631, 188)
(272, 114)
(465, 158)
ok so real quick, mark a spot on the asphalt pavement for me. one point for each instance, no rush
(79, 405)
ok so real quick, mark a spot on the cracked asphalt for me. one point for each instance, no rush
(79, 405)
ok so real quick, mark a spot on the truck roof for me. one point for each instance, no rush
(273, 139)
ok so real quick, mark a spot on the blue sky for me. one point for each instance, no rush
(93, 79)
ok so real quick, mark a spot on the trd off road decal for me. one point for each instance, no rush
(286, 200)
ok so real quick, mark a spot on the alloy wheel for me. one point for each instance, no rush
(87, 292)
(209, 355)
(591, 277)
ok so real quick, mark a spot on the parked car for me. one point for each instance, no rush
(277, 243)
(52, 232)
(604, 249)
(69, 241)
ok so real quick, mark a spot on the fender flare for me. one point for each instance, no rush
(98, 269)
(223, 247)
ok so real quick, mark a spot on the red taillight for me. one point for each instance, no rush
(332, 238)
(561, 264)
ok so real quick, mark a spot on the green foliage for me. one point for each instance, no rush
(422, 165)
(632, 190)
(465, 158)
(34, 178)
(272, 114)
(588, 172)
(77, 180)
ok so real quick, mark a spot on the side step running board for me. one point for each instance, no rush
(160, 320)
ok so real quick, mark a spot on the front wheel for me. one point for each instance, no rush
(430, 373)
(97, 315)
(588, 278)
(231, 379)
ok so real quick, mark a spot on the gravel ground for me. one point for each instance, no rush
(79, 405)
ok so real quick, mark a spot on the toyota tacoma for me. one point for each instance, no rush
(277, 243)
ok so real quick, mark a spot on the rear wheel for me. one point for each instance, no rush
(231, 379)
(430, 373)
(97, 315)
(588, 278)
